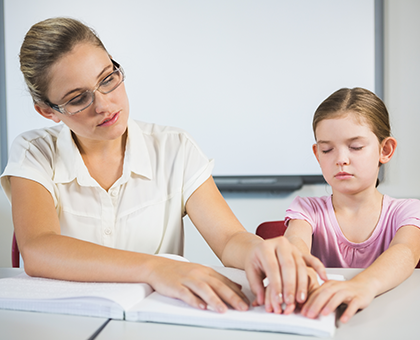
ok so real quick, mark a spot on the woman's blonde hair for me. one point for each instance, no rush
(44, 44)
(363, 103)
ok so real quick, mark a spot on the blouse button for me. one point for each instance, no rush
(108, 231)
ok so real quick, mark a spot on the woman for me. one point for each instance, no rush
(95, 198)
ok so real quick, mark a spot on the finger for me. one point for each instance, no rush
(287, 264)
(188, 297)
(236, 287)
(351, 309)
(268, 306)
(255, 280)
(203, 291)
(316, 264)
(230, 293)
(302, 280)
(217, 289)
(317, 301)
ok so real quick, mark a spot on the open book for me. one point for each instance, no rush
(138, 302)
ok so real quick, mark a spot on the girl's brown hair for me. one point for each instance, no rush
(44, 44)
(362, 103)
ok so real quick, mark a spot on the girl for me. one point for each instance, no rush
(95, 198)
(356, 226)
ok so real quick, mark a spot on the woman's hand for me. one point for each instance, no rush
(286, 269)
(325, 299)
(199, 286)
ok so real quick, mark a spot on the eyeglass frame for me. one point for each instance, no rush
(61, 108)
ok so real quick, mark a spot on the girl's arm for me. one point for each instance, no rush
(47, 253)
(277, 259)
(390, 269)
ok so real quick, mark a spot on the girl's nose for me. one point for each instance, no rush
(343, 159)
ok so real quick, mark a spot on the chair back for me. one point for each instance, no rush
(271, 229)
(15, 253)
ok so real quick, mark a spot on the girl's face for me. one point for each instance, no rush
(349, 154)
(79, 70)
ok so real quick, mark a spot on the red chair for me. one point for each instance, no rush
(15, 253)
(270, 229)
(273, 229)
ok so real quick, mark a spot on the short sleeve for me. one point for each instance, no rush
(308, 209)
(197, 167)
(406, 213)
(30, 157)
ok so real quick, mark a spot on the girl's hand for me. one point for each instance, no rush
(199, 286)
(324, 300)
(285, 267)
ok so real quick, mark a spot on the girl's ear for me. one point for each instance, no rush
(47, 112)
(388, 147)
(315, 151)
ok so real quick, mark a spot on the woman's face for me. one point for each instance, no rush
(77, 71)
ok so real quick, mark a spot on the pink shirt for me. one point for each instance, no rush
(329, 243)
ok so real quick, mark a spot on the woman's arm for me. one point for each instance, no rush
(276, 259)
(47, 253)
(390, 269)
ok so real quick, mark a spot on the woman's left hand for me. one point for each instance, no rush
(286, 269)
(325, 299)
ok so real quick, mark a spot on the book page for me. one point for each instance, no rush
(69, 297)
(158, 308)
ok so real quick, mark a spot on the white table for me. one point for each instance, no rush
(18, 325)
(393, 315)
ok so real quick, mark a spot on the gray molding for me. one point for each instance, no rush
(379, 49)
(3, 112)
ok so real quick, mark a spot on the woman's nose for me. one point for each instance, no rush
(101, 102)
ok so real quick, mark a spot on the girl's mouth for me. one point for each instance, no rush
(343, 175)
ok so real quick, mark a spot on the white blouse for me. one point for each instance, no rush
(143, 209)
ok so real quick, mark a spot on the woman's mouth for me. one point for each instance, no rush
(110, 121)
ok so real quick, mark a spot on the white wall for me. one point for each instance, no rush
(6, 231)
(402, 89)
(402, 97)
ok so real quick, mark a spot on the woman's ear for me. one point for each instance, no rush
(47, 112)
(388, 147)
(315, 151)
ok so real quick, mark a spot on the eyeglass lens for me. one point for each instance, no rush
(85, 99)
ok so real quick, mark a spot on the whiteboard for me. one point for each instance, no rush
(243, 77)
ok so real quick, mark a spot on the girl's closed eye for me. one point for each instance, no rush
(326, 150)
(356, 148)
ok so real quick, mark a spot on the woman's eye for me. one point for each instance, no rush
(109, 81)
(326, 151)
(80, 99)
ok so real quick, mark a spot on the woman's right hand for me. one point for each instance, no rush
(197, 285)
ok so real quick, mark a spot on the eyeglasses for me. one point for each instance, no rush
(85, 99)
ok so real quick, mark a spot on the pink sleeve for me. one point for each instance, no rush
(301, 209)
(408, 214)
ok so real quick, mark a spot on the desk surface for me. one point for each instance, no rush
(393, 315)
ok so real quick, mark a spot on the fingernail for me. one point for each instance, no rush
(289, 299)
(202, 306)
(243, 306)
(280, 298)
(220, 309)
(302, 296)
